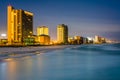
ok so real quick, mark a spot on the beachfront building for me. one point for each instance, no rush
(43, 39)
(42, 30)
(85, 40)
(78, 39)
(3, 41)
(99, 40)
(19, 25)
(62, 34)
(75, 40)
(90, 40)
(103, 40)
(70, 40)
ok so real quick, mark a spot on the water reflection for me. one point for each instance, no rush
(66, 64)
(8, 69)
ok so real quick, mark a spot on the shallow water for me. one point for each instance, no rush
(84, 62)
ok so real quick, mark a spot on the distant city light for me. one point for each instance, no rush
(90, 38)
(3, 35)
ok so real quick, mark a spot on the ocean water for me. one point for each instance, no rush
(84, 62)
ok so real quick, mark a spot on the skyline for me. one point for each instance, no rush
(84, 17)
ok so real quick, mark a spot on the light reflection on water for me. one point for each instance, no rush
(85, 63)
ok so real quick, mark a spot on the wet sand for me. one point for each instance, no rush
(12, 52)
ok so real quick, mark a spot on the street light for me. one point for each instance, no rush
(3, 35)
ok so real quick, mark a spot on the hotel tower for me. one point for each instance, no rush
(19, 25)
(43, 35)
(42, 30)
(62, 33)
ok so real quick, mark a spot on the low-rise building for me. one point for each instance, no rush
(43, 39)
(3, 41)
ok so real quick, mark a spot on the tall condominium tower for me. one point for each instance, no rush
(42, 30)
(62, 33)
(19, 25)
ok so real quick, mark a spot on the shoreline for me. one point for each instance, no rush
(17, 52)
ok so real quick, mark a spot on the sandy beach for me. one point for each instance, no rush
(15, 52)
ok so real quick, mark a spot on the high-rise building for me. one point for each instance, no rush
(43, 37)
(42, 30)
(19, 25)
(62, 33)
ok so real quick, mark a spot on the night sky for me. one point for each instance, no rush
(83, 17)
